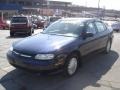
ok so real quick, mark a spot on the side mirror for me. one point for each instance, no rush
(88, 34)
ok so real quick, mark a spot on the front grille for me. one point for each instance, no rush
(38, 62)
(27, 59)
(22, 55)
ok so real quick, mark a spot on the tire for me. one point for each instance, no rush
(37, 27)
(71, 65)
(108, 47)
(4, 28)
(30, 33)
(11, 34)
(117, 30)
(32, 30)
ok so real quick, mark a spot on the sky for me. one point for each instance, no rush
(108, 4)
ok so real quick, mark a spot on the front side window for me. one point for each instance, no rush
(91, 28)
(100, 26)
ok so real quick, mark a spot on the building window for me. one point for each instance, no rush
(37, 3)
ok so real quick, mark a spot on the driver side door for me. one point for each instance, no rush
(89, 43)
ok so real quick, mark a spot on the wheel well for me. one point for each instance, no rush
(77, 53)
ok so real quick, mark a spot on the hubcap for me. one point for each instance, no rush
(108, 46)
(72, 66)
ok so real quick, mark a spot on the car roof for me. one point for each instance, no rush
(80, 19)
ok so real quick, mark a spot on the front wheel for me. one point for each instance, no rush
(108, 47)
(71, 65)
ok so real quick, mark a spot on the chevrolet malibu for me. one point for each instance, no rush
(61, 45)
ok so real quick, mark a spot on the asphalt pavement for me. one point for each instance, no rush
(98, 72)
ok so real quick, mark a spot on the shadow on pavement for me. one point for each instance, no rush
(93, 69)
(17, 36)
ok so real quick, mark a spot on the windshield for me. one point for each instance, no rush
(68, 28)
(19, 19)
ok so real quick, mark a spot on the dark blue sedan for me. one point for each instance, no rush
(61, 45)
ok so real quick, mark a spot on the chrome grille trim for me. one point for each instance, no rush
(23, 55)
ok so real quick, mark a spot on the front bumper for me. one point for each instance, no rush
(31, 63)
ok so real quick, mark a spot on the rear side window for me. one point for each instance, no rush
(19, 20)
(100, 26)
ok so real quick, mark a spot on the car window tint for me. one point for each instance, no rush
(19, 19)
(91, 28)
(100, 26)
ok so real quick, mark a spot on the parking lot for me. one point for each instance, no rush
(98, 72)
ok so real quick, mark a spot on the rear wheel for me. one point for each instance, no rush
(71, 65)
(4, 28)
(11, 34)
(30, 33)
(117, 30)
(108, 47)
(32, 30)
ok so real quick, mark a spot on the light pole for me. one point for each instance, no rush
(86, 3)
(48, 7)
(98, 3)
(98, 7)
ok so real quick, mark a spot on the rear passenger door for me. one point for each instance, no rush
(102, 35)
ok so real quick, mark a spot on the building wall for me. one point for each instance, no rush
(45, 6)
(24, 2)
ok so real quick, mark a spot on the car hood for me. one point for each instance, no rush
(42, 43)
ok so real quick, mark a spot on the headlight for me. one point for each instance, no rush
(44, 56)
(11, 48)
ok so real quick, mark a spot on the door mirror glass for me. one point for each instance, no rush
(89, 34)
(90, 30)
